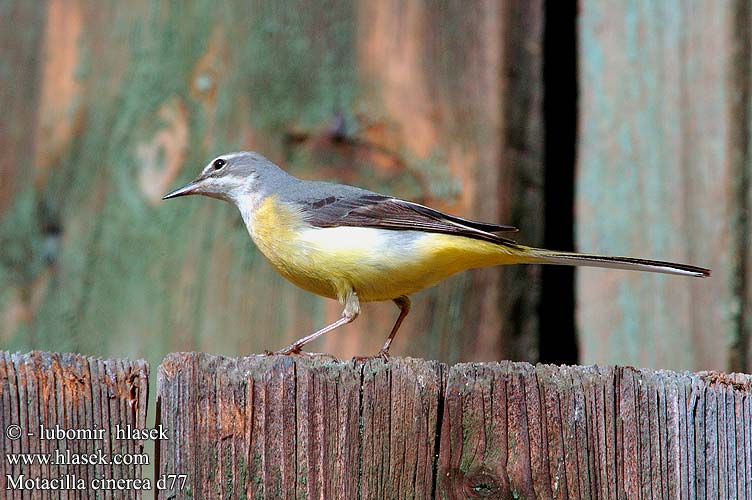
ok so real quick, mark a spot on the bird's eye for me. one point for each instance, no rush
(219, 163)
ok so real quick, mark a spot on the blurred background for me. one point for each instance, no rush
(618, 127)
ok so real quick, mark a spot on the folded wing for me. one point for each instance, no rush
(375, 210)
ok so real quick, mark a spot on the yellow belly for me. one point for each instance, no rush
(379, 264)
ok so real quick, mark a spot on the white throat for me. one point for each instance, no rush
(248, 203)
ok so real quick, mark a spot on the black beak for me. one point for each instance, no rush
(183, 191)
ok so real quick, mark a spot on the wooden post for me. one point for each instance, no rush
(79, 401)
(284, 427)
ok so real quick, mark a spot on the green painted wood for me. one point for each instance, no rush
(658, 176)
(132, 100)
(19, 72)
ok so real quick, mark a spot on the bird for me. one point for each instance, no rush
(354, 245)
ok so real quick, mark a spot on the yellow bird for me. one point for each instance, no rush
(354, 245)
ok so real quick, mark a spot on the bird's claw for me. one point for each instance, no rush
(298, 351)
(283, 352)
(383, 354)
(359, 359)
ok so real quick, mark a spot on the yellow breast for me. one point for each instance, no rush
(275, 229)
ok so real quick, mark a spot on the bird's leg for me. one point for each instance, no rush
(404, 304)
(352, 309)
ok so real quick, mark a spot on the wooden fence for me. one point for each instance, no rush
(285, 427)
(66, 407)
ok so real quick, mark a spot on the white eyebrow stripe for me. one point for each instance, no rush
(228, 157)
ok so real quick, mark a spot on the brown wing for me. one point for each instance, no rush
(375, 210)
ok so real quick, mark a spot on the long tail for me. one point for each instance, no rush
(653, 266)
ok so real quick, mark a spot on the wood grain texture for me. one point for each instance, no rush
(125, 102)
(261, 427)
(275, 427)
(661, 173)
(73, 392)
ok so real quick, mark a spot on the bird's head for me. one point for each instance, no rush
(233, 177)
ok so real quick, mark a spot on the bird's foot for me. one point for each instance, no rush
(288, 351)
(383, 354)
(284, 352)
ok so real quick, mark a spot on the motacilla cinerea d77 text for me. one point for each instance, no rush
(356, 246)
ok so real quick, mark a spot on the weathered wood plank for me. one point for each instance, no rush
(328, 409)
(663, 158)
(400, 410)
(66, 393)
(283, 428)
(315, 428)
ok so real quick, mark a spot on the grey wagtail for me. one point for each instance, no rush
(356, 246)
